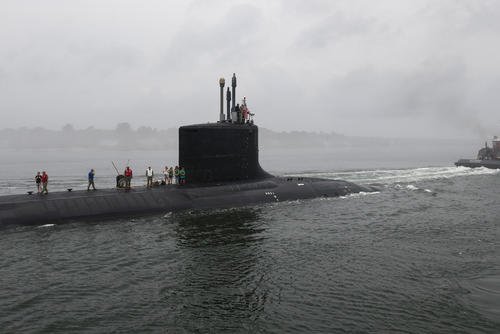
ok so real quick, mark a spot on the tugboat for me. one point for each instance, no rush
(222, 167)
(488, 157)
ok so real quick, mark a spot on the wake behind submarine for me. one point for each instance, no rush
(488, 157)
(222, 170)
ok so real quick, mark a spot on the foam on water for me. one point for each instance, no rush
(360, 194)
(387, 177)
(391, 176)
(46, 225)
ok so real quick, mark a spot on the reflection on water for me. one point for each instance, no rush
(484, 295)
(218, 279)
(234, 226)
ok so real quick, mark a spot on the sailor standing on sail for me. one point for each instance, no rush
(149, 176)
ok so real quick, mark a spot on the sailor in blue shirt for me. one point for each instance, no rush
(91, 180)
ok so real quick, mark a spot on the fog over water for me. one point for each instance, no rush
(388, 68)
(70, 153)
(385, 94)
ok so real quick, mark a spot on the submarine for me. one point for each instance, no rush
(488, 157)
(222, 166)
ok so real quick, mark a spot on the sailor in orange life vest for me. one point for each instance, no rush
(128, 177)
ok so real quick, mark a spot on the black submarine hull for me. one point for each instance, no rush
(473, 163)
(59, 207)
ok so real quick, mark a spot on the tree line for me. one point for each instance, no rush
(124, 137)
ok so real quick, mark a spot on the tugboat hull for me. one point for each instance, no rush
(493, 164)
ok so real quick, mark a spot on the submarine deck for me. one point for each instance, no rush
(200, 189)
(108, 203)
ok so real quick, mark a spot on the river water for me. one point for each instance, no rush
(419, 256)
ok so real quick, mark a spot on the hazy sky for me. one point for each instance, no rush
(384, 68)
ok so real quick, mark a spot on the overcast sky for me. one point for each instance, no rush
(380, 68)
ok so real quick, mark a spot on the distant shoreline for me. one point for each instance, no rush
(123, 137)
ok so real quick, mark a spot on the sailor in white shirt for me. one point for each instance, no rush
(149, 176)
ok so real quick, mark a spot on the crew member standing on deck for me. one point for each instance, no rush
(170, 175)
(165, 175)
(45, 182)
(176, 174)
(182, 175)
(38, 180)
(128, 177)
(149, 176)
(91, 180)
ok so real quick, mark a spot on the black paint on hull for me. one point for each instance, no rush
(58, 207)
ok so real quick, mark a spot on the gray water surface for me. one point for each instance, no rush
(419, 256)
